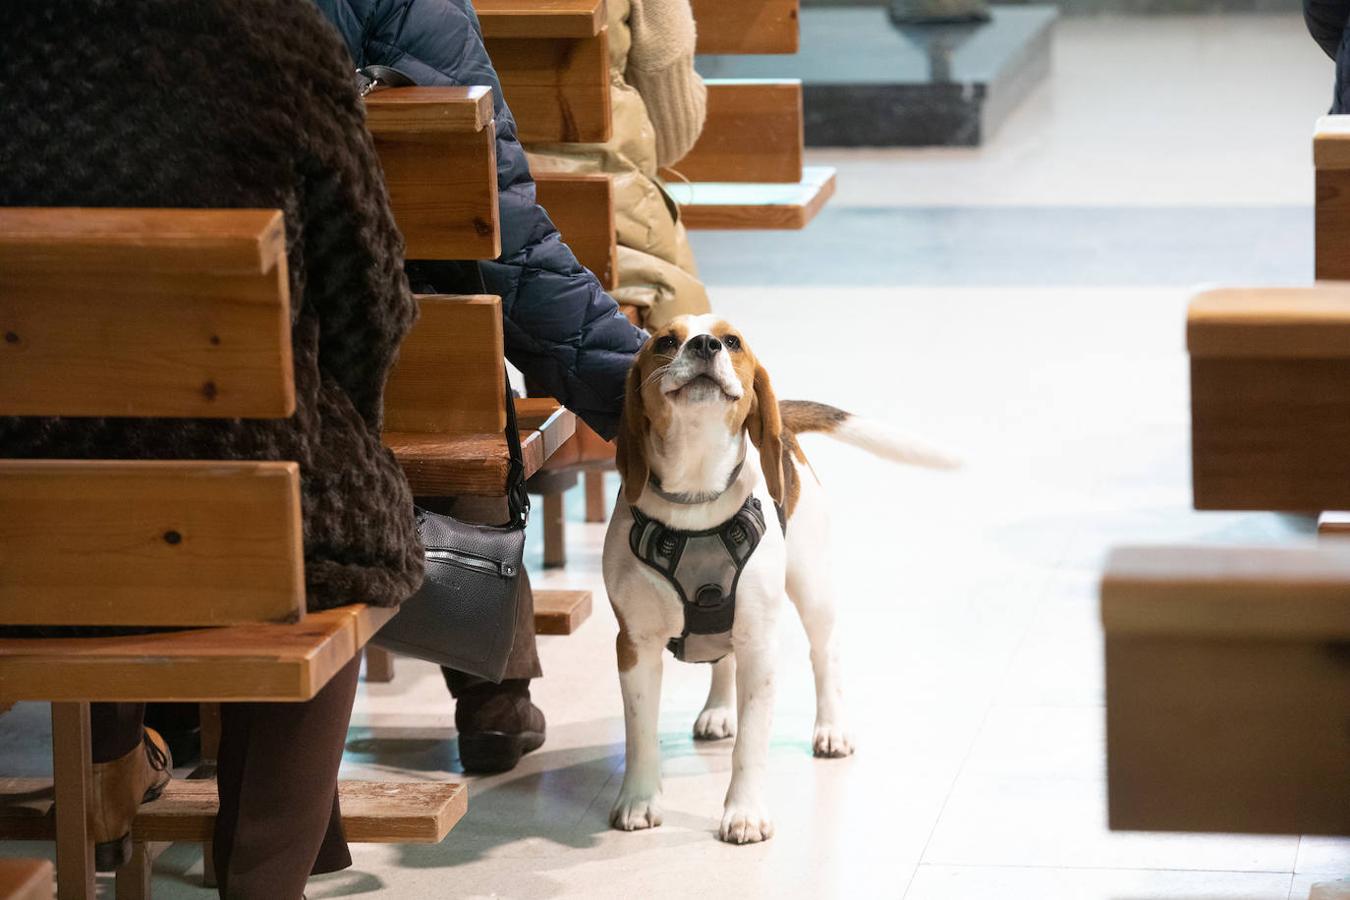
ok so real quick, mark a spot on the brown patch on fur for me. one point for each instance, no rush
(624, 648)
(806, 416)
(757, 411)
(643, 409)
(792, 479)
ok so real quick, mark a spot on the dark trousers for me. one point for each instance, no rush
(277, 772)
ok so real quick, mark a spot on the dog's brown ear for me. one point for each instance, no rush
(631, 457)
(765, 425)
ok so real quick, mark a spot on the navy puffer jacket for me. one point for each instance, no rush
(1327, 24)
(562, 330)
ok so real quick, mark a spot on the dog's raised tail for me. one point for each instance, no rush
(807, 417)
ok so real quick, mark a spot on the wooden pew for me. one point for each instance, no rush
(747, 26)
(1228, 688)
(438, 148)
(552, 57)
(208, 295)
(1270, 398)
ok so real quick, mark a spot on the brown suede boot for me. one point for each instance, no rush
(497, 725)
(119, 788)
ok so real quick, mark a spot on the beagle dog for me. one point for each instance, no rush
(720, 516)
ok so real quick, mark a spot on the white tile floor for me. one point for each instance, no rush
(968, 604)
(969, 622)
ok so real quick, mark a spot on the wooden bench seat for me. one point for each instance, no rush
(373, 812)
(713, 205)
(25, 879)
(1228, 688)
(438, 149)
(560, 612)
(241, 662)
(1270, 398)
(451, 465)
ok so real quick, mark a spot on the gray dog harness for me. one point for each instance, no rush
(704, 567)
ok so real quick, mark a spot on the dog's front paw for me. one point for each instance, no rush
(745, 824)
(635, 813)
(715, 724)
(831, 741)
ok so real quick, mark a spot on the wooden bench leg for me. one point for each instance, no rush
(379, 665)
(72, 777)
(210, 719)
(133, 879)
(595, 496)
(555, 531)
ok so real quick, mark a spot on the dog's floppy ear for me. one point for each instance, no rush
(765, 425)
(631, 456)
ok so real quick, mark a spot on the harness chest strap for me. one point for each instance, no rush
(704, 567)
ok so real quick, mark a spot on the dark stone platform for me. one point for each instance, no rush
(867, 83)
(1126, 7)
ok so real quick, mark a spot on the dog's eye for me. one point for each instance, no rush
(732, 342)
(666, 342)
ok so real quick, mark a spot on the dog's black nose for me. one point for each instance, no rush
(704, 346)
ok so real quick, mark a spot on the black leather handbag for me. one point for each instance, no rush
(464, 615)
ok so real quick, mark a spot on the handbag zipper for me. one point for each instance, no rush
(505, 569)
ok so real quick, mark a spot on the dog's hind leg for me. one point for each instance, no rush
(809, 589)
(639, 802)
(718, 718)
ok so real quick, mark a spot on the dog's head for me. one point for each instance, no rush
(698, 366)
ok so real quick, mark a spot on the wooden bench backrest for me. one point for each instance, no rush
(754, 132)
(536, 19)
(438, 149)
(1270, 395)
(146, 313)
(450, 377)
(1331, 156)
(582, 207)
(555, 79)
(747, 26)
(1228, 688)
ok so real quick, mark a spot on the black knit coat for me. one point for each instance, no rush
(232, 103)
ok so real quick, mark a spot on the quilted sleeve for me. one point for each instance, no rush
(1326, 21)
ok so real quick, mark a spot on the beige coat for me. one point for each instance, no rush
(652, 80)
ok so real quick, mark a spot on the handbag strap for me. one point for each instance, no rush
(517, 497)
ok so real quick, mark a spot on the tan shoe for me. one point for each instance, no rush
(119, 788)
